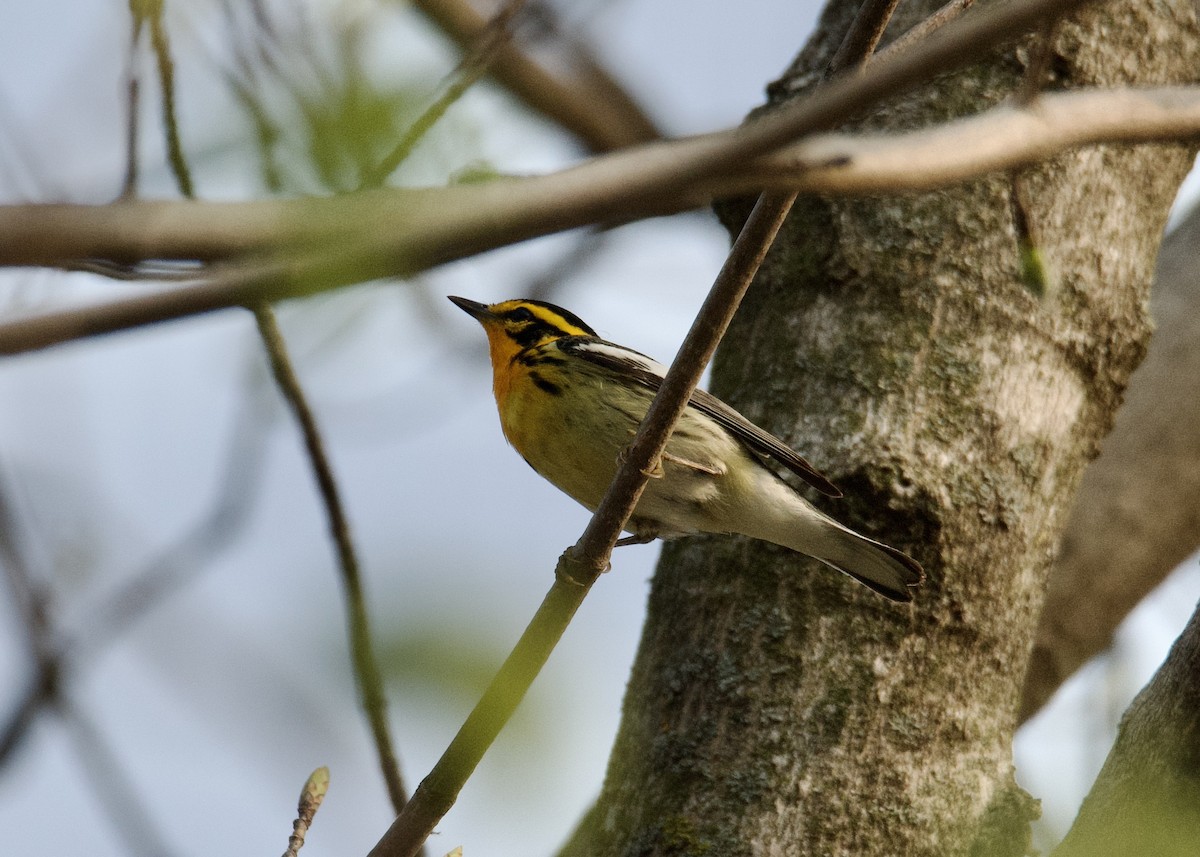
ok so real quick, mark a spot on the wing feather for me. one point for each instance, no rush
(649, 373)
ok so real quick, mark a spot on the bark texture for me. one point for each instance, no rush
(776, 708)
(1147, 797)
(1138, 511)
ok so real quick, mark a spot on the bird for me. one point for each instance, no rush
(570, 403)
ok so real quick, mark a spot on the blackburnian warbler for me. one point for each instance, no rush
(570, 402)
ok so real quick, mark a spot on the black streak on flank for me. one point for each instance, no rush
(544, 385)
(538, 357)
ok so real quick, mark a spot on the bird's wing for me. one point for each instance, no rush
(639, 368)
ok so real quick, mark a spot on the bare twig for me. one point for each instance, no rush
(426, 227)
(42, 689)
(129, 187)
(475, 64)
(32, 604)
(864, 34)
(1034, 271)
(938, 19)
(144, 590)
(166, 76)
(109, 783)
(310, 801)
(161, 272)
(581, 564)
(654, 179)
(183, 561)
(112, 786)
(584, 99)
(366, 670)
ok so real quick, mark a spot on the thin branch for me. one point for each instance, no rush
(142, 272)
(401, 232)
(145, 589)
(937, 20)
(454, 222)
(366, 670)
(475, 63)
(129, 186)
(1034, 271)
(41, 690)
(428, 226)
(864, 34)
(112, 786)
(190, 555)
(1002, 138)
(584, 98)
(166, 77)
(1038, 66)
(580, 565)
(32, 604)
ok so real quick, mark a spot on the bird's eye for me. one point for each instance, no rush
(520, 314)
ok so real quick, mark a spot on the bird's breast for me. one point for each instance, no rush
(572, 434)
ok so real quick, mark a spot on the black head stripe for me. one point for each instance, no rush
(565, 315)
(532, 333)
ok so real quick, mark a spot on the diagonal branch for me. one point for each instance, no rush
(162, 577)
(334, 242)
(491, 40)
(938, 19)
(864, 34)
(653, 179)
(584, 99)
(1146, 798)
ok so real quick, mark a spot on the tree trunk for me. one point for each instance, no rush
(776, 707)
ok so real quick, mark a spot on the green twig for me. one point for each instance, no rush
(366, 670)
(474, 65)
(166, 77)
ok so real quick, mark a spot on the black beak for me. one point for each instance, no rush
(473, 308)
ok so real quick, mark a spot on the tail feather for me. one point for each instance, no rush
(879, 567)
(776, 513)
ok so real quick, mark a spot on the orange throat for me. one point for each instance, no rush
(503, 350)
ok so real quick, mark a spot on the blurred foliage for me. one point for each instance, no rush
(322, 121)
(451, 664)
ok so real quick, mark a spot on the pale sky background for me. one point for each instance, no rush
(219, 702)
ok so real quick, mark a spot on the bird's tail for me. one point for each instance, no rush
(891, 573)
